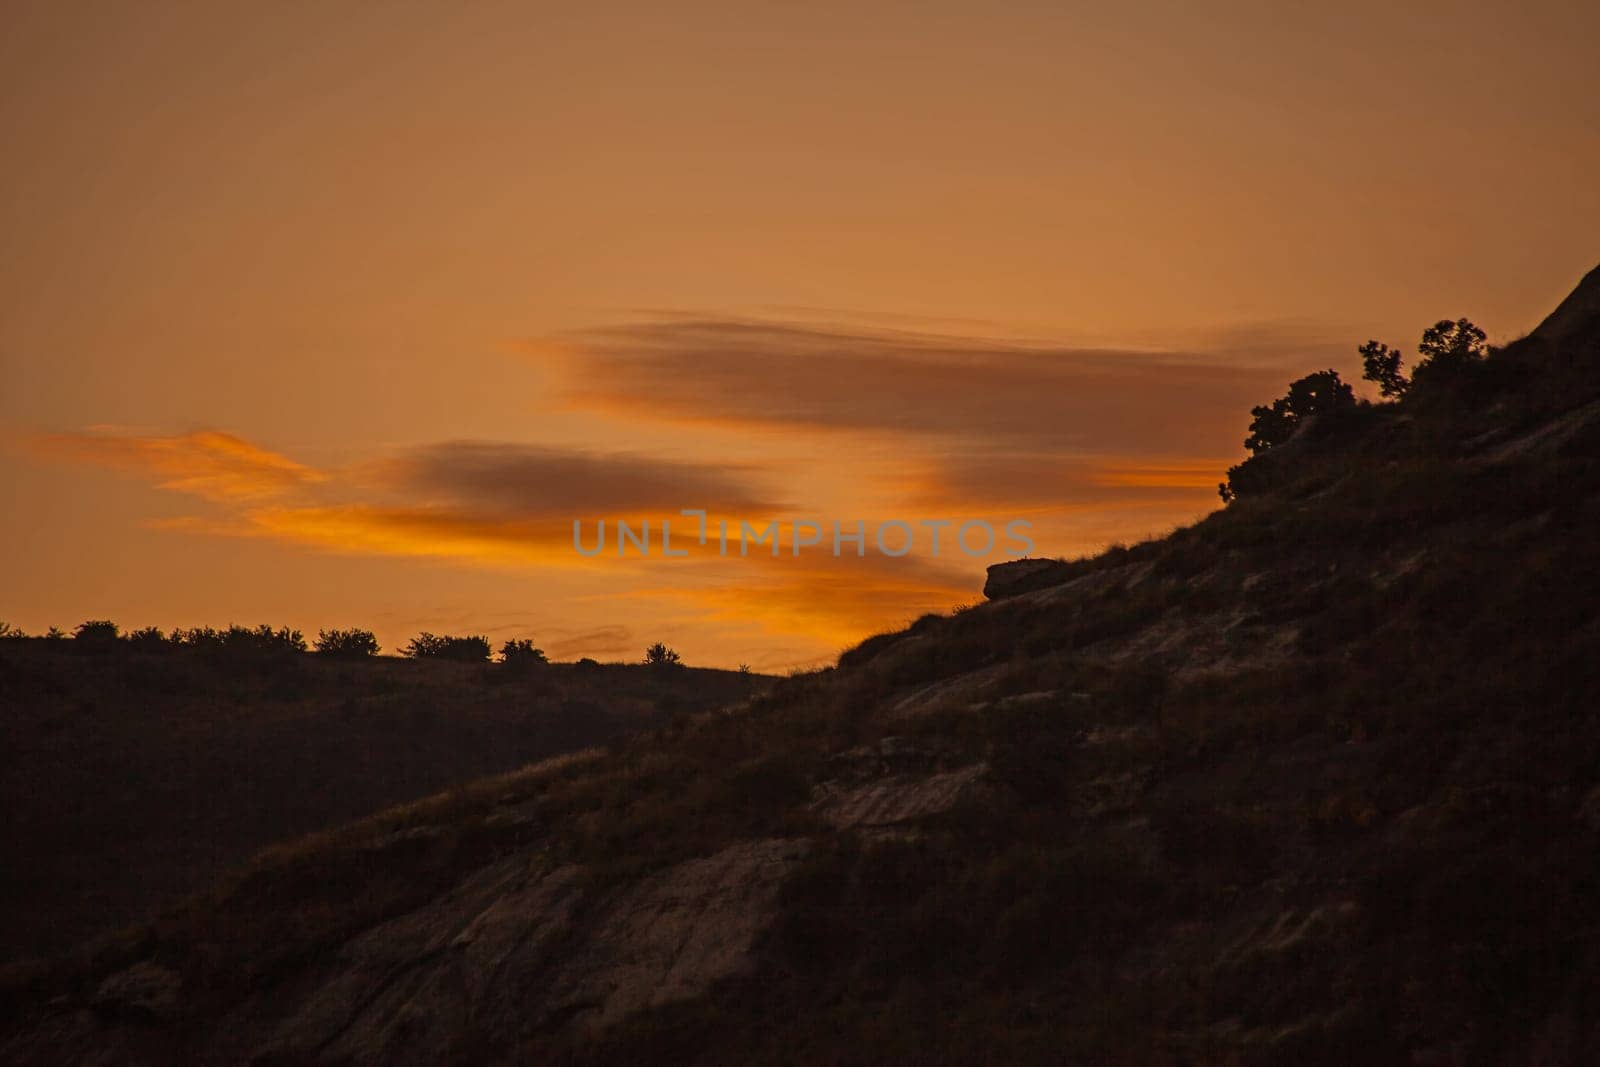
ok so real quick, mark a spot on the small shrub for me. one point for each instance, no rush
(520, 652)
(661, 657)
(102, 632)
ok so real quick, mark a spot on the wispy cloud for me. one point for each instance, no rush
(204, 463)
(601, 641)
(439, 532)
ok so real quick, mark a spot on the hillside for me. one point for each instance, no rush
(1316, 780)
(131, 776)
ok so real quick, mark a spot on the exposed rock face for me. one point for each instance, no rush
(896, 780)
(1023, 576)
(961, 689)
(516, 951)
(673, 935)
(896, 799)
(402, 991)
(144, 991)
(1550, 437)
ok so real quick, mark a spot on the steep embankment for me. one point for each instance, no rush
(1316, 780)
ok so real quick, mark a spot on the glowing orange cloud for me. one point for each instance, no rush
(1035, 483)
(1171, 474)
(831, 602)
(205, 463)
(511, 506)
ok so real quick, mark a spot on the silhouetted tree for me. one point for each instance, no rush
(7, 631)
(347, 644)
(660, 656)
(472, 649)
(520, 652)
(1452, 342)
(1450, 351)
(1382, 365)
(1321, 393)
(55, 633)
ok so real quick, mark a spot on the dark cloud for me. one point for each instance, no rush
(991, 393)
(526, 481)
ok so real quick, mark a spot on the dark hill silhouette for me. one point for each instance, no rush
(1576, 318)
(132, 776)
(1314, 781)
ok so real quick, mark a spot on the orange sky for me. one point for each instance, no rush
(337, 314)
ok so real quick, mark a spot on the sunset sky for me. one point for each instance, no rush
(338, 314)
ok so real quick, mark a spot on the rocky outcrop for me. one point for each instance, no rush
(1023, 576)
